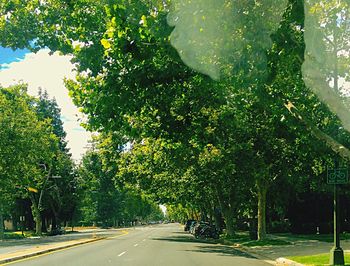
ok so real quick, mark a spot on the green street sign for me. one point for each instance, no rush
(337, 176)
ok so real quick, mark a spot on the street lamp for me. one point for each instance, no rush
(336, 177)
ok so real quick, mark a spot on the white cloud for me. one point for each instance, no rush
(48, 72)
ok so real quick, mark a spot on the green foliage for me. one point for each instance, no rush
(105, 203)
(10, 235)
(26, 141)
(193, 142)
(178, 213)
(48, 109)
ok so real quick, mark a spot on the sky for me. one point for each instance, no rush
(41, 70)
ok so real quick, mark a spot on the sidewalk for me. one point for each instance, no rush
(298, 247)
(42, 249)
(12, 250)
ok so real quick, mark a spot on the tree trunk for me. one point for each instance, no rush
(36, 216)
(196, 216)
(262, 190)
(230, 223)
(218, 220)
(55, 222)
(2, 229)
(227, 212)
(38, 223)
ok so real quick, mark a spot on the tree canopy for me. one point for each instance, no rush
(182, 138)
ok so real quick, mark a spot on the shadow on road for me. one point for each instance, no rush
(211, 247)
(186, 238)
(49, 239)
(181, 233)
(222, 250)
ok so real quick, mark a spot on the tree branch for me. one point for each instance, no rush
(331, 142)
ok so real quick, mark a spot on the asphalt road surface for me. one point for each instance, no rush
(158, 245)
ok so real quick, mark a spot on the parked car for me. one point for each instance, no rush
(188, 224)
(205, 230)
(198, 227)
(193, 227)
(56, 231)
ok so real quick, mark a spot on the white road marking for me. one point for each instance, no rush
(144, 240)
(136, 245)
(121, 254)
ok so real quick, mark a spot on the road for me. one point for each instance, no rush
(158, 245)
(32, 242)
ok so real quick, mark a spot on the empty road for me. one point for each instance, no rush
(158, 245)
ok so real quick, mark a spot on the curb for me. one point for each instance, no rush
(248, 251)
(48, 250)
(255, 255)
(287, 262)
(277, 262)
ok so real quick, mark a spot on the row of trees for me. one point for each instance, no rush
(33, 152)
(177, 135)
(104, 202)
(40, 181)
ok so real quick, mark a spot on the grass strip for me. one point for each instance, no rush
(318, 260)
(242, 238)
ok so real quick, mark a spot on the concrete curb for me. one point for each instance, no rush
(249, 251)
(256, 255)
(48, 250)
(287, 262)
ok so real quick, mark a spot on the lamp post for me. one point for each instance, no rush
(336, 253)
(336, 177)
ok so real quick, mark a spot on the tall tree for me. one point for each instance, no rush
(59, 197)
(26, 143)
(47, 108)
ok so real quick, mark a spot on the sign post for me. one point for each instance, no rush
(337, 176)
(22, 218)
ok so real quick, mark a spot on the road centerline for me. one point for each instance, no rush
(121, 254)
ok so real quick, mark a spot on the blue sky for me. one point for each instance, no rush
(7, 55)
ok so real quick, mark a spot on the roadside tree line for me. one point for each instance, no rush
(40, 181)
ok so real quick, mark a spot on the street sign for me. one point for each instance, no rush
(337, 176)
(31, 189)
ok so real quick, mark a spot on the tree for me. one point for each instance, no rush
(103, 201)
(47, 108)
(61, 198)
(26, 142)
(106, 202)
(327, 36)
(235, 44)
